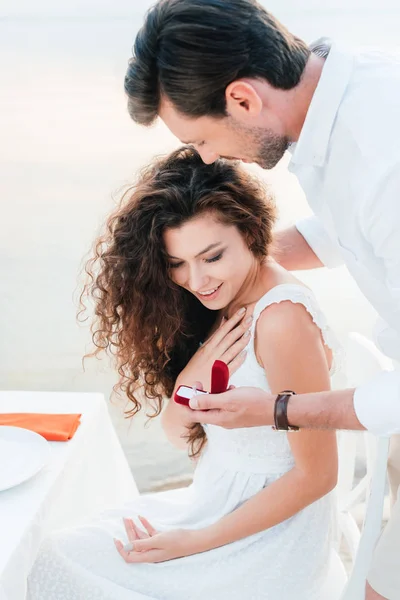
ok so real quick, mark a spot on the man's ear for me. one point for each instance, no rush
(242, 100)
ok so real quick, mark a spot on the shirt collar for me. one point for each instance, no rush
(312, 145)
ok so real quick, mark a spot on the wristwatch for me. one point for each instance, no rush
(280, 412)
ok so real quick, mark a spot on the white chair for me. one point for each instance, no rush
(363, 360)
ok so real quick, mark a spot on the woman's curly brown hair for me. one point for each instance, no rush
(151, 325)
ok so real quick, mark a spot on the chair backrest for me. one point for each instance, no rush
(363, 361)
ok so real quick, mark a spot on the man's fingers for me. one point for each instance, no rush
(210, 401)
(206, 402)
(207, 417)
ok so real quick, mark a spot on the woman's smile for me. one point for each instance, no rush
(210, 294)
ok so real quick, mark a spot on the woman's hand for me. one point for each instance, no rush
(151, 546)
(228, 344)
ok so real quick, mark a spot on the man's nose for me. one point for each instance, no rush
(207, 156)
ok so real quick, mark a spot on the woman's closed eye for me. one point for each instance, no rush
(214, 258)
(207, 260)
(175, 265)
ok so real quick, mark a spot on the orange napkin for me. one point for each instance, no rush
(55, 428)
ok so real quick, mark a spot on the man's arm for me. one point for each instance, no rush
(291, 251)
(305, 246)
(253, 407)
(374, 406)
(329, 410)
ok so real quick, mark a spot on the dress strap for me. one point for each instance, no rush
(299, 294)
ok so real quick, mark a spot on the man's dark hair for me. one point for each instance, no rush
(191, 50)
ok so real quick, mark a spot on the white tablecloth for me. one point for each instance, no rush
(85, 475)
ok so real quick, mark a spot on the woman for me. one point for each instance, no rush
(183, 258)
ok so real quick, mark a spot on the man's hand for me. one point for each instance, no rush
(238, 407)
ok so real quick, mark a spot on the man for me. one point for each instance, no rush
(228, 78)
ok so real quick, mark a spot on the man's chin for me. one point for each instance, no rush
(268, 164)
(270, 158)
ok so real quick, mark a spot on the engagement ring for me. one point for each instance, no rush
(128, 547)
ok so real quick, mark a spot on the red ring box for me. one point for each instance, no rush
(219, 384)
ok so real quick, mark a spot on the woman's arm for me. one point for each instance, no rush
(176, 420)
(289, 347)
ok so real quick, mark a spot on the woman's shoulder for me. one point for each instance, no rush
(284, 310)
(289, 323)
(287, 313)
(286, 335)
(285, 300)
(281, 287)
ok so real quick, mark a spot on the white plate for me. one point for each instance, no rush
(23, 453)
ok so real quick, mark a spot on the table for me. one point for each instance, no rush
(85, 475)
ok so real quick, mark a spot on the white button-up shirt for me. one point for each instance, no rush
(347, 160)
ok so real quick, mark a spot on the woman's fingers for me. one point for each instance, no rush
(149, 528)
(236, 349)
(130, 530)
(142, 535)
(225, 328)
(237, 362)
(134, 532)
(234, 336)
(132, 556)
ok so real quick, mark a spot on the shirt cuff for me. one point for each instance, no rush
(377, 404)
(319, 241)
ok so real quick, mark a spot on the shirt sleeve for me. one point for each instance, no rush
(316, 236)
(381, 226)
(377, 403)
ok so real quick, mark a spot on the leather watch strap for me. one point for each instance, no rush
(280, 412)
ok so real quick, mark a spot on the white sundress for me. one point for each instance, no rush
(293, 560)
